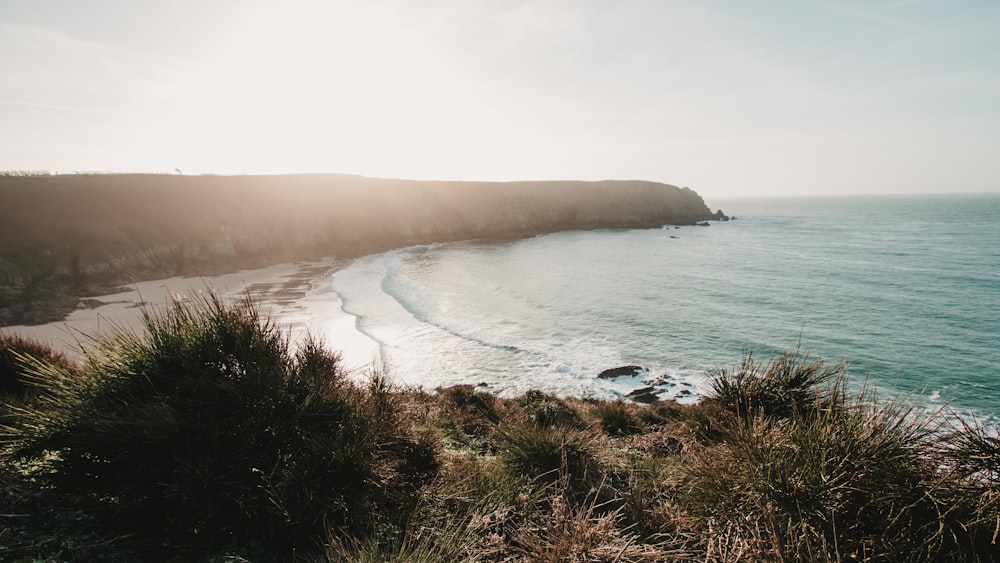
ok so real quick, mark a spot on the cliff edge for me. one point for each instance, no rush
(79, 234)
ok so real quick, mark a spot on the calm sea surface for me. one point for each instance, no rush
(905, 290)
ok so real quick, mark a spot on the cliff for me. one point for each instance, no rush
(65, 234)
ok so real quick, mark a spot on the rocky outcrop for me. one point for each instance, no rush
(654, 388)
(645, 395)
(623, 371)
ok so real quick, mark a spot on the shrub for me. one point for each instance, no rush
(974, 452)
(209, 437)
(536, 451)
(207, 432)
(468, 417)
(555, 456)
(662, 412)
(787, 385)
(453, 543)
(480, 512)
(616, 419)
(465, 398)
(853, 478)
(971, 455)
(583, 532)
(17, 354)
(546, 410)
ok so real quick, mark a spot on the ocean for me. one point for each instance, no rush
(905, 290)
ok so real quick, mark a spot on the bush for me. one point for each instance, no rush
(466, 399)
(17, 354)
(616, 419)
(971, 454)
(662, 412)
(787, 385)
(546, 410)
(468, 418)
(851, 478)
(535, 451)
(208, 433)
(209, 437)
(555, 456)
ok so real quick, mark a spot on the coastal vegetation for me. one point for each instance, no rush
(210, 436)
(66, 236)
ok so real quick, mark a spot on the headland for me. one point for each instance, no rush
(67, 236)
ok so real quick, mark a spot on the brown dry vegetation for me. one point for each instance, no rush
(77, 234)
(208, 438)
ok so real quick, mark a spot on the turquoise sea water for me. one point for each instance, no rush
(905, 290)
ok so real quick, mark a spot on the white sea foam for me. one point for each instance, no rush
(865, 281)
(903, 289)
(473, 331)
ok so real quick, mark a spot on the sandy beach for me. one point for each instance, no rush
(298, 296)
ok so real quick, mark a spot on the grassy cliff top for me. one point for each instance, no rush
(37, 209)
(207, 437)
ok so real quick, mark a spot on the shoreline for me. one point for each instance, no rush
(298, 296)
(88, 234)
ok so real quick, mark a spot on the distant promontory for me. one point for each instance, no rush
(70, 235)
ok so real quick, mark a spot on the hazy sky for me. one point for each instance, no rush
(728, 97)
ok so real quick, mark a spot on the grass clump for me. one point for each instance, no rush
(18, 355)
(531, 450)
(209, 433)
(806, 473)
(209, 437)
(468, 418)
(971, 453)
(546, 410)
(790, 384)
(617, 418)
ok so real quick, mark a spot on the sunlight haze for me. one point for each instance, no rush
(729, 98)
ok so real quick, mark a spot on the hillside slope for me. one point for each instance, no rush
(66, 234)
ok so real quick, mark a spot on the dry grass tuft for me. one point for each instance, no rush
(209, 437)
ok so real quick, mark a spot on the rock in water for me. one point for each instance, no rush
(630, 371)
(647, 395)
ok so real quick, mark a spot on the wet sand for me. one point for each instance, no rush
(297, 296)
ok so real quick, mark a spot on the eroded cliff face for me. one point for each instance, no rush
(80, 233)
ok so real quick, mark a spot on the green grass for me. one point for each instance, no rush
(789, 385)
(209, 432)
(19, 356)
(544, 410)
(209, 437)
(616, 418)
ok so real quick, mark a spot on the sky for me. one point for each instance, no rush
(730, 98)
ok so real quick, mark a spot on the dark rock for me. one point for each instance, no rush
(640, 391)
(704, 224)
(644, 398)
(629, 371)
(645, 395)
(658, 380)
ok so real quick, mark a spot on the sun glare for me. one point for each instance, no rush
(316, 88)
